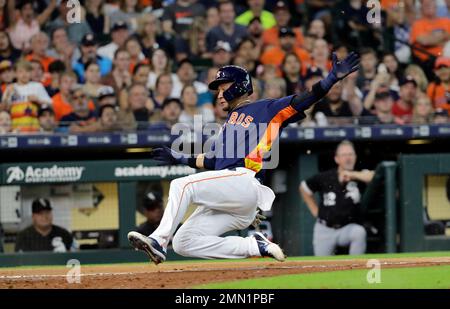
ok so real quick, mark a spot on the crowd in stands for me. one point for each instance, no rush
(145, 64)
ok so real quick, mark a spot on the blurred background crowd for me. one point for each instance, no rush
(119, 65)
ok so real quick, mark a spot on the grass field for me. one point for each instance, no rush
(433, 277)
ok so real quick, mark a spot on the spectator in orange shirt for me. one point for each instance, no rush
(276, 54)
(282, 17)
(387, 4)
(439, 91)
(430, 32)
(39, 46)
(82, 116)
(61, 105)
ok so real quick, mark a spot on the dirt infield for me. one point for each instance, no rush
(185, 274)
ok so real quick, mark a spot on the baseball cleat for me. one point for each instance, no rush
(147, 244)
(268, 248)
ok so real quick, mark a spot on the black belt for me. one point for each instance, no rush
(328, 224)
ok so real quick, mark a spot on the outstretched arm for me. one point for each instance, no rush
(168, 156)
(340, 70)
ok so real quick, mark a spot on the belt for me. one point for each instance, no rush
(333, 226)
(247, 170)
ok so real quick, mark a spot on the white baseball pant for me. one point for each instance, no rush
(227, 200)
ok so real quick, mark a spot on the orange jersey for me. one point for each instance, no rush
(45, 61)
(270, 37)
(62, 107)
(24, 116)
(275, 56)
(423, 27)
(134, 63)
(437, 95)
(386, 4)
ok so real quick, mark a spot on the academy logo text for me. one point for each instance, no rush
(54, 173)
(160, 171)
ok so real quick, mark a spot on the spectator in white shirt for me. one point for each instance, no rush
(119, 34)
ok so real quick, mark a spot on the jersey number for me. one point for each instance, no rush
(329, 199)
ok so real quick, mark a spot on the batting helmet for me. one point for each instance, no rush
(242, 82)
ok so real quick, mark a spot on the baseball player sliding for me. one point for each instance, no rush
(229, 195)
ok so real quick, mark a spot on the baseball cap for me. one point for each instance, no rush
(280, 5)
(5, 65)
(152, 200)
(222, 45)
(88, 40)
(441, 112)
(40, 204)
(442, 62)
(406, 80)
(167, 101)
(105, 91)
(285, 31)
(45, 108)
(119, 25)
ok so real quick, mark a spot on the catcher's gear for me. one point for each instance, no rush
(242, 82)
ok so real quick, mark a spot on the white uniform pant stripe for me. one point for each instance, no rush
(227, 201)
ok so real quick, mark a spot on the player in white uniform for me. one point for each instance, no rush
(228, 196)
